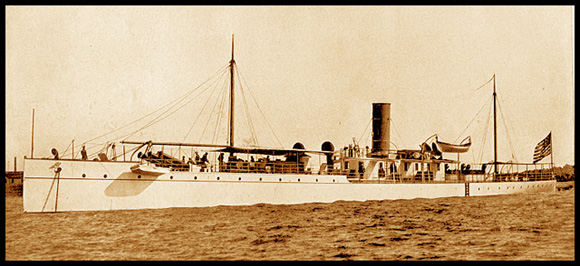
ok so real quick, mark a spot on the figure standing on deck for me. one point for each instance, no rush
(84, 154)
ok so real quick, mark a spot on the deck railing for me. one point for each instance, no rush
(507, 172)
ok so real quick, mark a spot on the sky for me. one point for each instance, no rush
(313, 70)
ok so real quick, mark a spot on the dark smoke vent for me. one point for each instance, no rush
(327, 146)
(381, 129)
(298, 145)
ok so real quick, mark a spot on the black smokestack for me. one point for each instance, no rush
(381, 129)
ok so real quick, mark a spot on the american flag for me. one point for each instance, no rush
(543, 149)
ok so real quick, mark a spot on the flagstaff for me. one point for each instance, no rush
(552, 155)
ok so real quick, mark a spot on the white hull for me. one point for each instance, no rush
(121, 189)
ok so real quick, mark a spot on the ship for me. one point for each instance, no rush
(152, 178)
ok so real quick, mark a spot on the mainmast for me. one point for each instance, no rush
(494, 131)
(232, 62)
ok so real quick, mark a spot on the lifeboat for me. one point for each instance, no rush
(145, 169)
(462, 147)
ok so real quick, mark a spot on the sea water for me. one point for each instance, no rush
(535, 226)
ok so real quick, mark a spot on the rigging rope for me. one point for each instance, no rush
(484, 137)
(199, 114)
(221, 110)
(65, 150)
(222, 85)
(174, 102)
(363, 134)
(157, 119)
(397, 132)
(506, 131)
(217, 109)
(477, 114)
(485, 83)
(143, 117)
(253, 134)
(260, 109)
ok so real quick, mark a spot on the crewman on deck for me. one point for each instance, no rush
(381, 171)
(84, 154)
(204, 161)
(196, 157)
(350, 151)
(55, 153)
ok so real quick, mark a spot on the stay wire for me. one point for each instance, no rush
(506, 131)
(222, 85)
(485, 133)
(397, 132)
(220, 114)
(147, 115)
(160, 118)
(469, 124)
(484, 84)
(181, 98)
(363, 134)
(260, 109)
(253, 134)
(201, 111)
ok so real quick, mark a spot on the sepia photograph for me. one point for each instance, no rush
(295, 133)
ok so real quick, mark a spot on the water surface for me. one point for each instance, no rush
(536, 226)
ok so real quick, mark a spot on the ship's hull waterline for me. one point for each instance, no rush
(96, 185)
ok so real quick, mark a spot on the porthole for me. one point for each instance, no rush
(195, 177)
(105, 175)
(333, 180)
(139, 176)
(279, 179)
(84, 175)
(478, 188)
(487, 188)
(298, 179)
(218, 178)
(239, 179)
(170, 177)
(316, 179)
(260, 179)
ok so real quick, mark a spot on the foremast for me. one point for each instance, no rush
(231, 127)
(494, 131)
